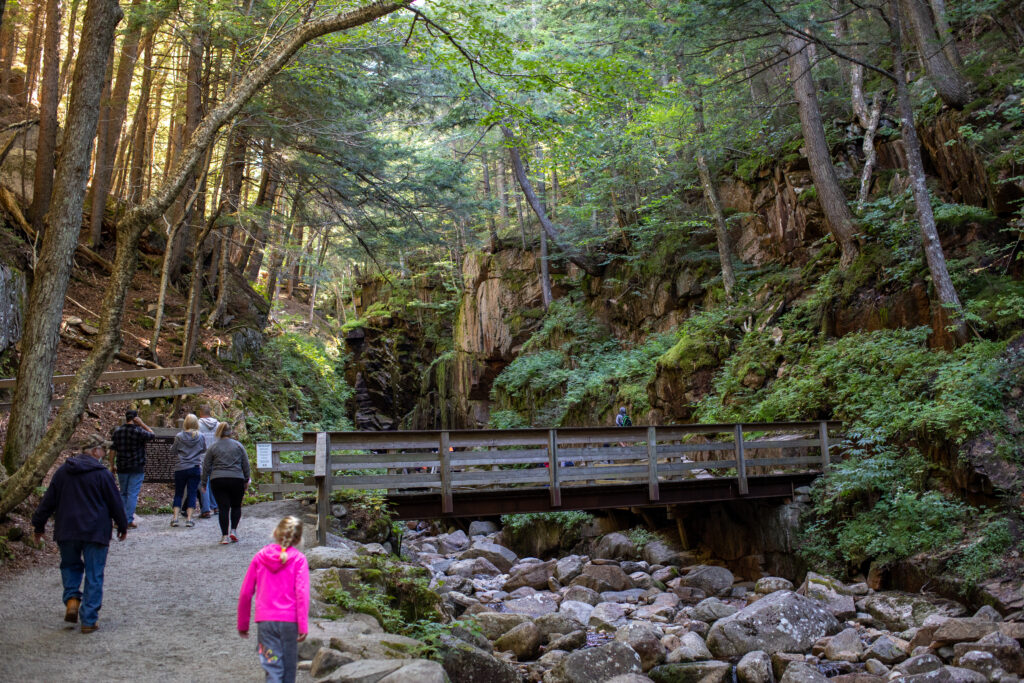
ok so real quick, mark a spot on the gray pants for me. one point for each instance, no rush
(277, 643)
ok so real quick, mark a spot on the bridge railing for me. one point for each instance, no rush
(457, 461)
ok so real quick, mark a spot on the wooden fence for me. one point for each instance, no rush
(120, 376)
(446, 462)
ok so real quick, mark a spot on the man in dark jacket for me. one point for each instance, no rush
(82, 499)
(130, 441)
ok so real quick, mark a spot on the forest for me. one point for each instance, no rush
(440, 214)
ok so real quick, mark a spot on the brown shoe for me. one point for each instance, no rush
(133, 525)
(71, 612)
(89, 629)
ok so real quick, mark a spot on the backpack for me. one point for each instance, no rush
(626, 422)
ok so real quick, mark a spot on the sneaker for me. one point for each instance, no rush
(174, 522)
(133, 525)
(71, 611)
(233, 537)
(205, 515)
(189, 523)
(89, 628)
(224, 540)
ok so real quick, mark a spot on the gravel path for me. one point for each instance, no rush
(169, 598)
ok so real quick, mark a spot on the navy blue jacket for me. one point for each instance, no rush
(83, 499)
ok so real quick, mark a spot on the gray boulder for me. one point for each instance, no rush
(988, 613)
(692, 648)
(534, 605)
(629, 678)
(467, 664)
(494, 625)
(568, 568)
(832, 593)
(608, 616)
(418, 671)
(885, 651)
(801, 672)
(919, 665)
(478, 566)
(582, 594)
(845, 646)
(902, 611)
(692, 672)
(780, 622)
(558, 623)
(711, 610)
(328, 660)
(569, 642)
(535, 575)
(645, 640)
(659, 552)
(500, 556)
(576, 610)
(1005, 649)
(364, 671)
(755, 667)
(603, 577)
(454, 542)
(985, 663)
(711, 580)
(324, 557)
(482, 528)
(595, 664)
(614, 546)
(772, 584)
(524, 641)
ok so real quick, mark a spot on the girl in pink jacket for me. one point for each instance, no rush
(279, 576)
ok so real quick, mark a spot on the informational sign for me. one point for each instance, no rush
(160, 459)
(264, 459)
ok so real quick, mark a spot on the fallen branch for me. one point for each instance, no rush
(78, 340)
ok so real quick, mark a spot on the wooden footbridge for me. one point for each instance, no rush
(474, 473)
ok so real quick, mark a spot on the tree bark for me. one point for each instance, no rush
(946, 34)
(545, 253)
(32, 52)
(46, 148)
(949, 83)
(502, 195)
(714, 203)
(129, 228)
(69, 56)
(945, 291)
(30, 403)
(531, 198)
(830, 195)
(870, 153)
(491, 227)
(140, 146)
(278, 243)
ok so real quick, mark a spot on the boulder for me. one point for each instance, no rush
(614, 546)
(500, 556)
(482, 528)
(1005, 649)
(364, 671)
(974, 628)
(919, 664)
(885, 650)
(772, 584)
(523, 640)
(845, 646)
(418, 671)
(534, 605)
(901, 611)
(665, 574)
(576, 610)
(324, 557)
(603, 577)
(535, 575)
(645, 640)
(711, 610)
(802, 672)
(570, 641)
(780, 622)
(711, 580)
(692, 672)
(558, 623)
(327, 660)
(984, 663)
(379, 646)
(692, 648)
(632, 595)
(467, 664)
(568, 568)
(641, 580)
(478, 566)
(455, 542)
(471, 636)
(755, 667)
(988, 613)
(875, 668)
(494, 625)
(321, 632)
(629, 678)
(659, 552)
(607, 616)
(961, 675)
(582, 594)
(595, 664)
(830, 592)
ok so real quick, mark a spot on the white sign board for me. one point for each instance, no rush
(264, 460)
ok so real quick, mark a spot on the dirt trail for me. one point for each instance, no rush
(168, 614)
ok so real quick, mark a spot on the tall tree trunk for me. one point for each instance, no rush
(870, 153)
(130, 228)
(30, 403)
(711, 195)
(521, 219)
(294, 260)
(111, 122)
(502, 195)
(232, 178)
(8, 45)
(949, 83)
(69, 55)
(830, 195)
(545, 254)
(46, 147)
(261, 230)
(278, 243)
(538, 208)
(946, 34)
(491, 228)
(140, 148)
(32, 51)
(945, 291)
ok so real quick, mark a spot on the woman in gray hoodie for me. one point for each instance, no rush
(226, 472)
(190, 447)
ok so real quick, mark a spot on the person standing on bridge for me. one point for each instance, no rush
(279, 578)
(130, 441)
(82, 499)
(226, 471)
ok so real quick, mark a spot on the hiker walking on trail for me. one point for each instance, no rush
(208, 429)
(130, 441)
(189, 447)
(226, 472)
(279, 577)
(622, 419)
(82, 499)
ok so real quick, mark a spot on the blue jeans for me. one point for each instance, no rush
(206, 500)
(186, 481)
(277, 643)
(76, 558)
(130, 485)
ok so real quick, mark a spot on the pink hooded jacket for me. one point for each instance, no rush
(282, 589)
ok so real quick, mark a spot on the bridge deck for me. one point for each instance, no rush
(428, 474)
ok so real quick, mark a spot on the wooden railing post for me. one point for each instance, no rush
(652, 465)
(555, 484)
(445, 460)
(275, 476)
(741, 464)
(322, 475)
(823, 436)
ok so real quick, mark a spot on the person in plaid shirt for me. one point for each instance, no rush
(130, 464)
